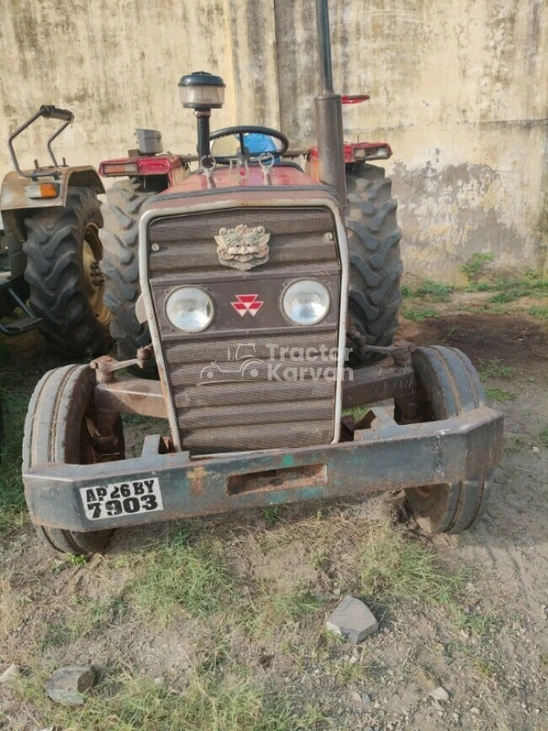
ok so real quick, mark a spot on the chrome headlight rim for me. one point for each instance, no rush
(199, 292)
(320, 287)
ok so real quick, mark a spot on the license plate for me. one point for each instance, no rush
(122, 498)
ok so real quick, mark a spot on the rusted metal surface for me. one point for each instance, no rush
(173, 167)
(378, 383)
(13, 195)
(105, 366)
(144, 396)
(302, 243)
(386, 458)
(131, 396)
(65, 116)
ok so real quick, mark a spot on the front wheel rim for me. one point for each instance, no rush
(94, 280)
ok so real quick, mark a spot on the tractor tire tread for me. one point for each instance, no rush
(120, 264)
(54, 274)
(375, 262)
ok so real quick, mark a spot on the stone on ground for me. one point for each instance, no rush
(352, 620)
(10, 674)
(440, 694)
(66, 685)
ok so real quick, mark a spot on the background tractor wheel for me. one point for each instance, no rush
(374, 295)
(449, 386)
(60, 427)
(120, 265)
(66, 286)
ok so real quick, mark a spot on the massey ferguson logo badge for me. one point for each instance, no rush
(247, 303)
(243, 247)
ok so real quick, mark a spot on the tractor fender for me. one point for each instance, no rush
(15, 205)
(13, 195)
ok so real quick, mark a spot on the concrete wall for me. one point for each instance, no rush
(459, 89)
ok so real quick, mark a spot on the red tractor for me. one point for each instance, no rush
(371, 219)
(265, 303)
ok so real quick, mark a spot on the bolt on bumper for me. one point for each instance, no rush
(386, 456)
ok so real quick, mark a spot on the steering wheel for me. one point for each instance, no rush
(240, 132)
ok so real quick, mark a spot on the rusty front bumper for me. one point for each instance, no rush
(385, 456)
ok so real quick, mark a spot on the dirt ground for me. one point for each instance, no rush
(219, 624)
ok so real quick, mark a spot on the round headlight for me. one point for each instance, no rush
(189, 309)
(306, 302)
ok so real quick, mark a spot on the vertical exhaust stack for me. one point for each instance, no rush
(329, 129)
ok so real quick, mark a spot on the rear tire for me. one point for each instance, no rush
(66, 287)
(120, 265)
(57, 429)
(374, 295)
(450, 386)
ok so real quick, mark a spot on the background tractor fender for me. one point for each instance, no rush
(15, 204)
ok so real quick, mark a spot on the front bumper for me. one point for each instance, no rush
(384, 457)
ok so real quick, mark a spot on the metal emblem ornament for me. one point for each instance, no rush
(243, 247)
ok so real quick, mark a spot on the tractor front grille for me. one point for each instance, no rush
(234, 387)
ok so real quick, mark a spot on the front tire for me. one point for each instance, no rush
(120, 265)
(59, 428)
(374, 295)
(449, 386)
(66, 286)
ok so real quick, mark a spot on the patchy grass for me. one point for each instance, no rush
(539, 311)
(126, 701)
(14, 397)
(243, 620)
(510, 295)
(395, 569)
(177, 575)
(494, 368)
(429, 291)
(4, 355)
(543, 434)
(272, 611)
(419, 314)
(499, 394)
(16, 387)
(508, 289)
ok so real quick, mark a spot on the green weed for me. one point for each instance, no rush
(539, 311)
(495, 369)
(498, 394)
(272, 514)
(419, 314)
(76, 560)
(433, 291)
(319, 559)
(474, 268)
(543, 434)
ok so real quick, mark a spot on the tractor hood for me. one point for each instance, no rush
(254, 176)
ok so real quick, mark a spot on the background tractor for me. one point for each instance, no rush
(50, 251)
(251, 254)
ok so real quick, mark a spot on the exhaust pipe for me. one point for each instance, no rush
(328, 106)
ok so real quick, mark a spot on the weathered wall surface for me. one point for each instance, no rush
(459, 89)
